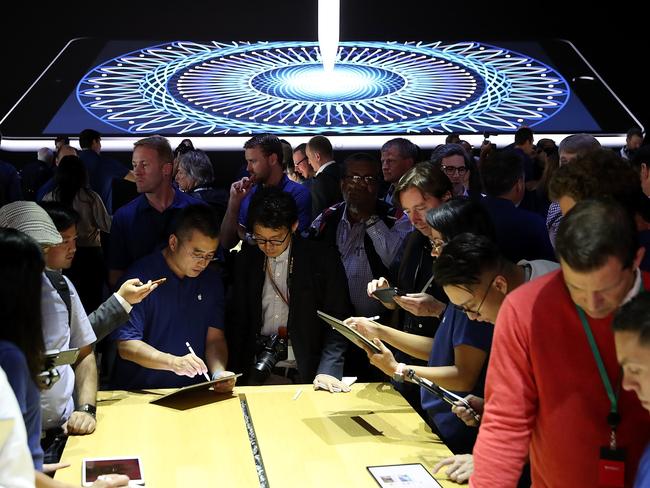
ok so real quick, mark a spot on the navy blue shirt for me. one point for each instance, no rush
(178, 311)
(456, 329)
(520, 234)
(10, 189)
(643, 471)
(300, 194)
(47, 187)
(138, 229)
(14, 363)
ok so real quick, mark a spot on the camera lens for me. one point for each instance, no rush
(274, 350)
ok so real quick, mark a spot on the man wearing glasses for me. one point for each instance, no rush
(457, 165)
(279, 284)
(302, 166)
(187, 308)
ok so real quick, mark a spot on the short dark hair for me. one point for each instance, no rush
(634, 131)
(321, 145)
(523, 135)
(159, 144)
(199, 217)
(641, 156)
(301, 147)
(592, 232)
(426, 178)
(63, 216)
(272, 208)
(87, 137)
(21, 270)
(63, 139)
(634, 316)
(406, 148)
(460, 215)
(268, 143)
(452, 149)
(579, 144)
(183, 147)
(361, 157)
(465, 258)
(453, 138)
(500, 172)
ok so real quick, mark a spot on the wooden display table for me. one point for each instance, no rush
(318, 439)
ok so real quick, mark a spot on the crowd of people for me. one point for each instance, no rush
(513, 277)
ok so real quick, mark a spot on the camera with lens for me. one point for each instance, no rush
(270, 350)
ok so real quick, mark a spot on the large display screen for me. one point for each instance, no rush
(191, 88)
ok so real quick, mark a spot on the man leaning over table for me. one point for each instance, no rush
(187, 308)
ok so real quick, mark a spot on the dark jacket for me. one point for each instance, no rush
(317, 281)
(325, 189)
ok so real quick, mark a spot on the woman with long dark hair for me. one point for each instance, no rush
(71, 189)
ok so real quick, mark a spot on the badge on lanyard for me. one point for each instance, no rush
(611, 464)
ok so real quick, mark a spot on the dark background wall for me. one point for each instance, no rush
(608, 35)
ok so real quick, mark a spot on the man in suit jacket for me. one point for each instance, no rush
(279, 284)
(326, 185)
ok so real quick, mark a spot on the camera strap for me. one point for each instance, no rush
(285, 298)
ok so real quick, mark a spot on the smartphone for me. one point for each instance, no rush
(92, 468)
(159, 281)
(54, 357)
(387, 294)
(220, 92)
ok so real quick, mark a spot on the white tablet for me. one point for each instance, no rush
(131, 466)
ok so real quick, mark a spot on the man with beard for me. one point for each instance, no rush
(264, 164)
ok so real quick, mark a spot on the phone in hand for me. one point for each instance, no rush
(159, 281)
(387, 294)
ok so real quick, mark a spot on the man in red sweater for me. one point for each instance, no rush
(545, 397)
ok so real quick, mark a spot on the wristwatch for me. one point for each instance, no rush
(88, 408)
(398, 375)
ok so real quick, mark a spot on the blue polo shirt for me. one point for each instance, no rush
(456, 329)
(14, 363)
(299, 193)
(138, 229)
(178, 311)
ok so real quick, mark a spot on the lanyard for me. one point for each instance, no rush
(614, 418)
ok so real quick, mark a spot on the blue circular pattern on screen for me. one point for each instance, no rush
(310, 83)
(376, 88)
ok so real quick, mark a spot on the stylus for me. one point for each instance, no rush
(207, 378)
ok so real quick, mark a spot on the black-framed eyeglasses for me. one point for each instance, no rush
(451, 170)
(366, 180)
(274, 242)
(301, 161)
(202, 256)
(477, 312)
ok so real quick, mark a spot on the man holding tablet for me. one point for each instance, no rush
(187, 308)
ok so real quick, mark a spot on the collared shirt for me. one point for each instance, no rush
(636, 288)
(322, 168)
(182, 310)
(57, 403)
(299, 193)
(274, 311)
(350, 242)
(138, 228)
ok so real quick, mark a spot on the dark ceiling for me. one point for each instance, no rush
(610, 39)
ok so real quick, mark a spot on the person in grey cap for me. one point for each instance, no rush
(65, 326)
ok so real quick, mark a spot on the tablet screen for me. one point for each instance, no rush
(98, 467)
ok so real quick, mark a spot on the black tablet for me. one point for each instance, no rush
(350, 333)
(205, 386)
(219, 93)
